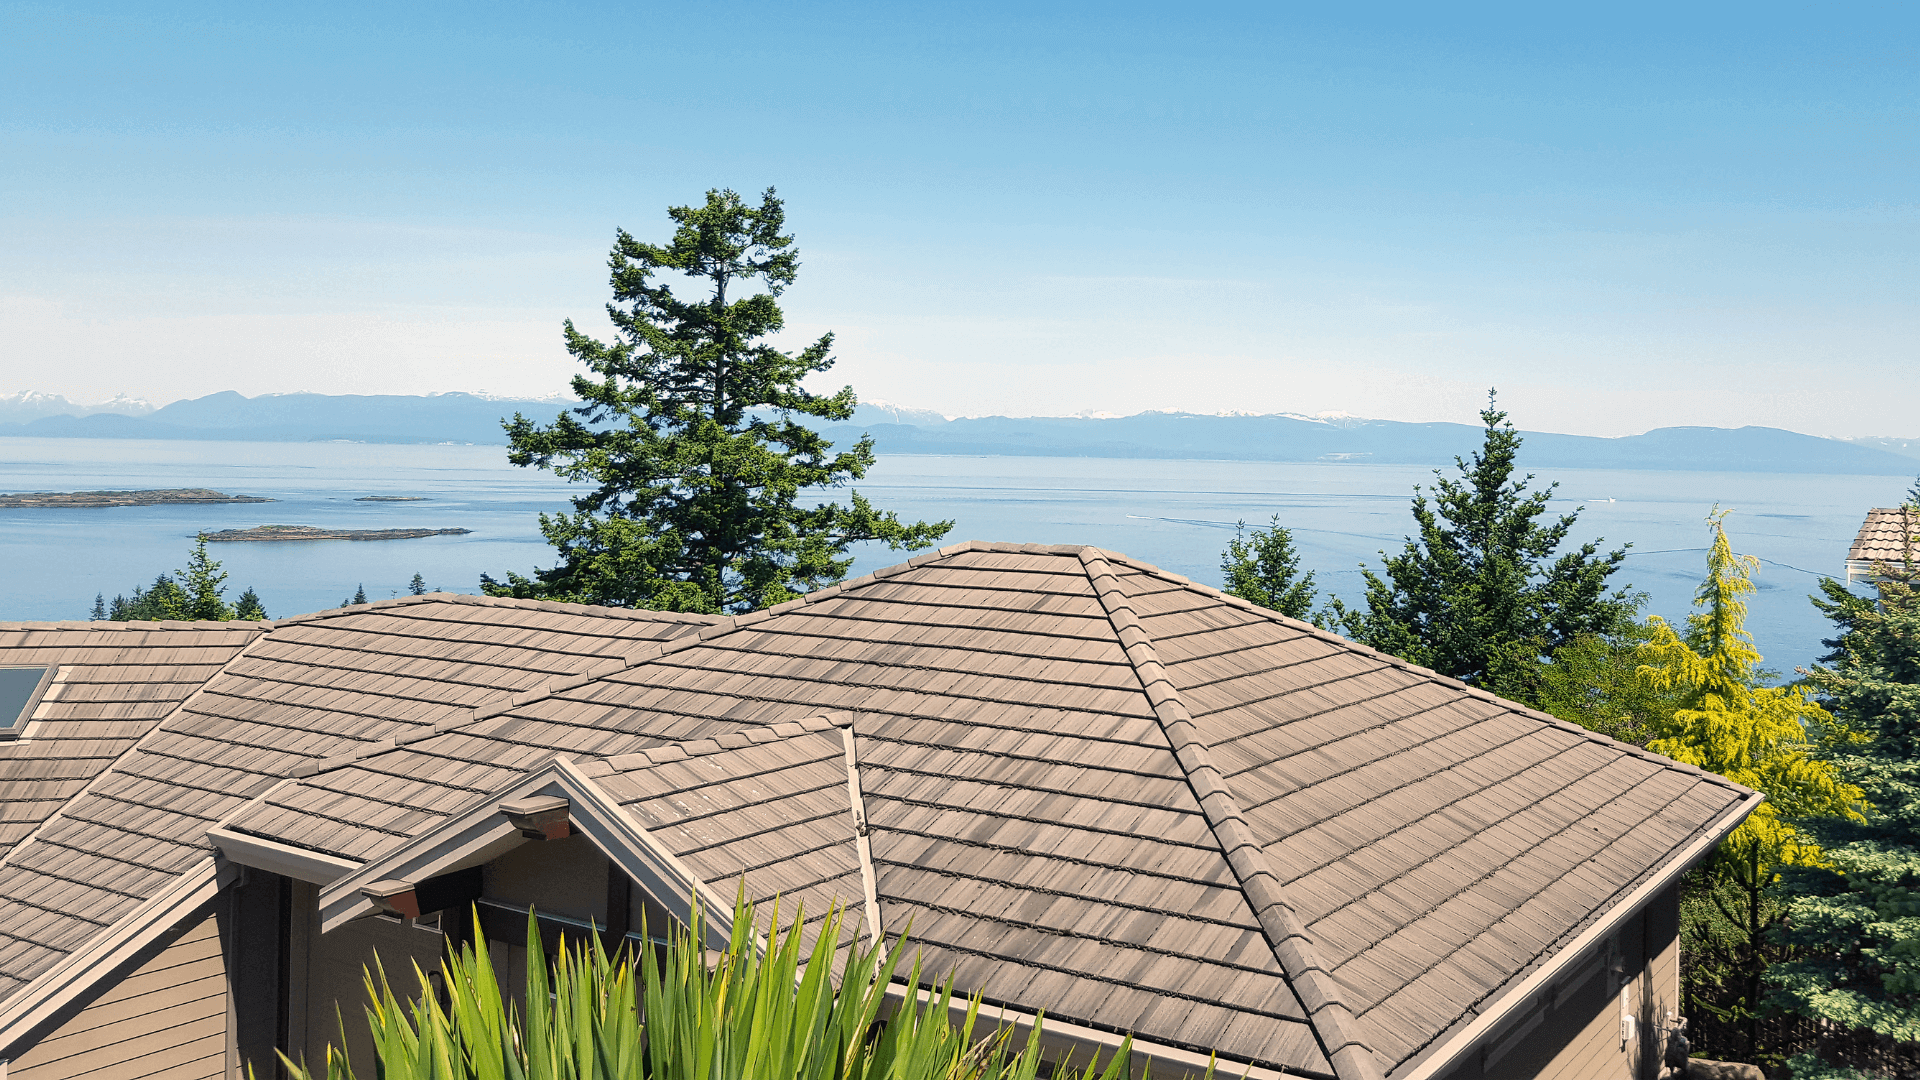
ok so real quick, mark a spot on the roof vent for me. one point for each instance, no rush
(539, 817)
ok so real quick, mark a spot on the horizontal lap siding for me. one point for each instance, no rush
(165, 1021)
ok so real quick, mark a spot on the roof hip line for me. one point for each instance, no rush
(1333, 1022)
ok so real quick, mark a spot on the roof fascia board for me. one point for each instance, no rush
(863, 846)
(592, 812)
(1062, 1042)
(80, 970)
(1437, 1060)
(433, 852)
(278, 858)
(669, 881)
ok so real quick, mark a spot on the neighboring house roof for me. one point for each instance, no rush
(113, 682)
(315, 686)
(1089, 787)
(1886, 536)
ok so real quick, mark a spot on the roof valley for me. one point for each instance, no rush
(1333, 1021)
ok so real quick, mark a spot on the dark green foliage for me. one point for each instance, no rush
(1729, 916)
(1480, 594)
(688, 438)
(359, 597)
(418, 586)
(1264, 568)
(1595, 681)
(164, 599)
(1857, 921)
(250, 607)
(193, 593)
(99, 612)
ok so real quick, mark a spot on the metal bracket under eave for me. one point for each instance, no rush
(393, 897)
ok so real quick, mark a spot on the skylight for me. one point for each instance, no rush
(19, 690)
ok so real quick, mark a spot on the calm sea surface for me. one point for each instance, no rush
(1178, 514)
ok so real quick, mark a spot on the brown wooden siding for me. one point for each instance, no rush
(167, 1020)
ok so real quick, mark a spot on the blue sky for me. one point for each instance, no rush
(1626, 217)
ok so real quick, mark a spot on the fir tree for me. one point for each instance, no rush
(192, 593)
(359, 597)
(1265, 569)
(99, 613)
(1856, 917)
(1728, 722)
(164, 599)
(203, 583)
(1480, 594)
(418, 586)
(688, 435)
(249, 607)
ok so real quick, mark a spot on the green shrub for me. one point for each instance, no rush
(757, 1011)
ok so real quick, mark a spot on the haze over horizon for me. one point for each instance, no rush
(1625, 219)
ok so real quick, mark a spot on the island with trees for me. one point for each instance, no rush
(49, 500)
(272, 533)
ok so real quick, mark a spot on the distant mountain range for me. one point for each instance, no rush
(474, 418)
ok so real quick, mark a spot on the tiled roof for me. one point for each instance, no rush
(767, 809)
(1093, 788)
(116, 681)
(316, 687)
(1885, 535)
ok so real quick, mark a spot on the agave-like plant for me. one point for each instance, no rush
(760, 1010)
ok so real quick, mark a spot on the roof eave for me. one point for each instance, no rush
(1443, 1056)
(78, 972)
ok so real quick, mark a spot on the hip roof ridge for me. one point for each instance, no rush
(1333, 1022)
(1408, 666)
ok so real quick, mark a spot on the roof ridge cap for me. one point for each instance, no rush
(1391, 660)
(1333, 1022)
(111, 625)
(757, 736)
(474, 600)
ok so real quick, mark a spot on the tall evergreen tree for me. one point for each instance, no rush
(1265, 569)
(1729, 723)
(204, 583)
(192, 593)
(1856, 916)
(418, 586)
(249, 607)
(1766, 737)
(99, 612)
(688, 435)
(164, 599)
(1479, 594)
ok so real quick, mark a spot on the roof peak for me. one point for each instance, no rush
(108, 625)
(471, 600)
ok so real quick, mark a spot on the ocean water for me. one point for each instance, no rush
(1177, 514)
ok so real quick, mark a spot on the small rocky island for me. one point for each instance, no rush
(391, 498)
(314, 532)
(89, 499)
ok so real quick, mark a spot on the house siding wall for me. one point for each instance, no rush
(330, 972)
(1574, 1031)
(165, 1020)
